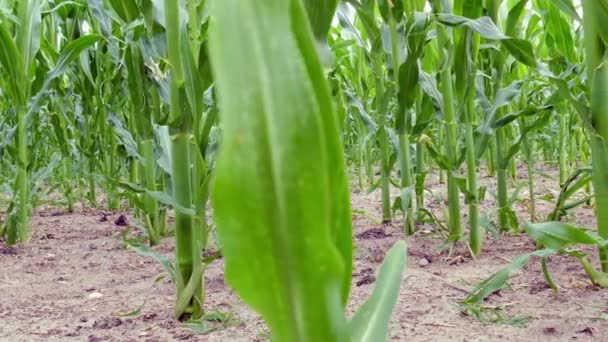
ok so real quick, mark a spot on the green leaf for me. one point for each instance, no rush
(28, 35)
(429, 86)
(520, 49)
(12, 64)
(514, 18)
(484, 25)
(125, 136)
(559, 235)
(499, 279)
(170, 201)
(408, 86)
(529, 111)
(504, 97)
(558, 29)
(320, 14)
(126, 9)
(134, 312)
(68, 54)
(370, 323)
(391, 8)
(442, 161)
(368, 121)
(149, 252)
(601, 13)
(567, 7)
(291, 228)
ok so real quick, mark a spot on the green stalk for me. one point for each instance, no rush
(598, 86)
(547, 275)
(501, 180)
(385, 181)
(66, 169)
(91, 178)
(187, 253)
(27, 35)
(563, 151)
(420, 176)
(133, 178)
(500, 140)
(529, 147)
(451, 128)
(404, 137)
(187, 241)
(111, 158)
(383, 143)
(477, 233)
(360, 151)
(490, 158)
(22, 176)
(406, 182)
(146, 148)
(467, 49)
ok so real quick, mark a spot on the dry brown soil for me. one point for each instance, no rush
(74, 278)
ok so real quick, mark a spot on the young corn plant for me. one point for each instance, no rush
(17, 53)
(467, 48)
(20, 38)
(188, 242)
(445, 46)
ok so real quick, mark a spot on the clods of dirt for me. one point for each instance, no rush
(107, 323)
(365, 280)
(373, 233)
(121, 221)
(539, 287)
(6, 250)
(586, 331)
(149, 316)
(363, 272)
(550, 331)
(424, 262)
(48, 236)
(93, 338)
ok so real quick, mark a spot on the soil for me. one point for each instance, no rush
(74, 279)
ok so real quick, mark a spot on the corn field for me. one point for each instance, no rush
(263, 164)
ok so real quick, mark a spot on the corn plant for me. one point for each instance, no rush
(19, 46)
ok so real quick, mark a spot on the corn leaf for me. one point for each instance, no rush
(291, 224)
(567, 7)
(163, 260)
(321, 14)
(499, 279)
(68, 54)
(520, 49)
(28, 34)
(560, 235)
(126, 9)
(370, 323)
(11, 63)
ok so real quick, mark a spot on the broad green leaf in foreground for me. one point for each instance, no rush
(280, 196)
